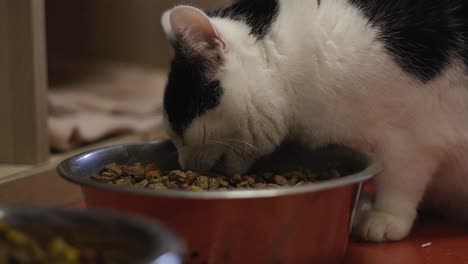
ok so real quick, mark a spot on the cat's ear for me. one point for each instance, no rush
(193, 28)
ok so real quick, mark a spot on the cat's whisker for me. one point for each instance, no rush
(204, 132)
(213, 142)
(245, 154)
(235, 149)
(245, 143)
(245, 151)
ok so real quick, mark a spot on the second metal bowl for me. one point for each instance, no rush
(130, 240)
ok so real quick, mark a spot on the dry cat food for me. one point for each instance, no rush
(150, 177)
(17, 247)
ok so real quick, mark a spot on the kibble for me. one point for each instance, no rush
(149, 176)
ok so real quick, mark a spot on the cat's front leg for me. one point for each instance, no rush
(399, 190)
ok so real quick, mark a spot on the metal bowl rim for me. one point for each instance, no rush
(368, 173)
(169, 241)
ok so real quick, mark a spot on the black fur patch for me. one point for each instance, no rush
(258, 14)
(188, 93)
(422, 35)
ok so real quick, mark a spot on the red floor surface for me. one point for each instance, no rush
(448, 244)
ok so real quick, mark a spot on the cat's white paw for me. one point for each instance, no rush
(380, 226)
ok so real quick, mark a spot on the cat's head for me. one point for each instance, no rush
(213, 112)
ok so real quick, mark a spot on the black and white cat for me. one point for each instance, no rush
(389, 77)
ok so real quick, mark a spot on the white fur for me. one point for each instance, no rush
(321, 76)
(166, 25)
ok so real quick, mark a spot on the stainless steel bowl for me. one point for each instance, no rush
(307, 224)
(131, 239)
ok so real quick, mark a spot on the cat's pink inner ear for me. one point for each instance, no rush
(193, 25)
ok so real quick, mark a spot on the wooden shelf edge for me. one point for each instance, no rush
(42, 185)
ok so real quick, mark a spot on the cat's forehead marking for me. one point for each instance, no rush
(189, 93)
(259, 15)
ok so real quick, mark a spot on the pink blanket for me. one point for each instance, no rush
(113, 99)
